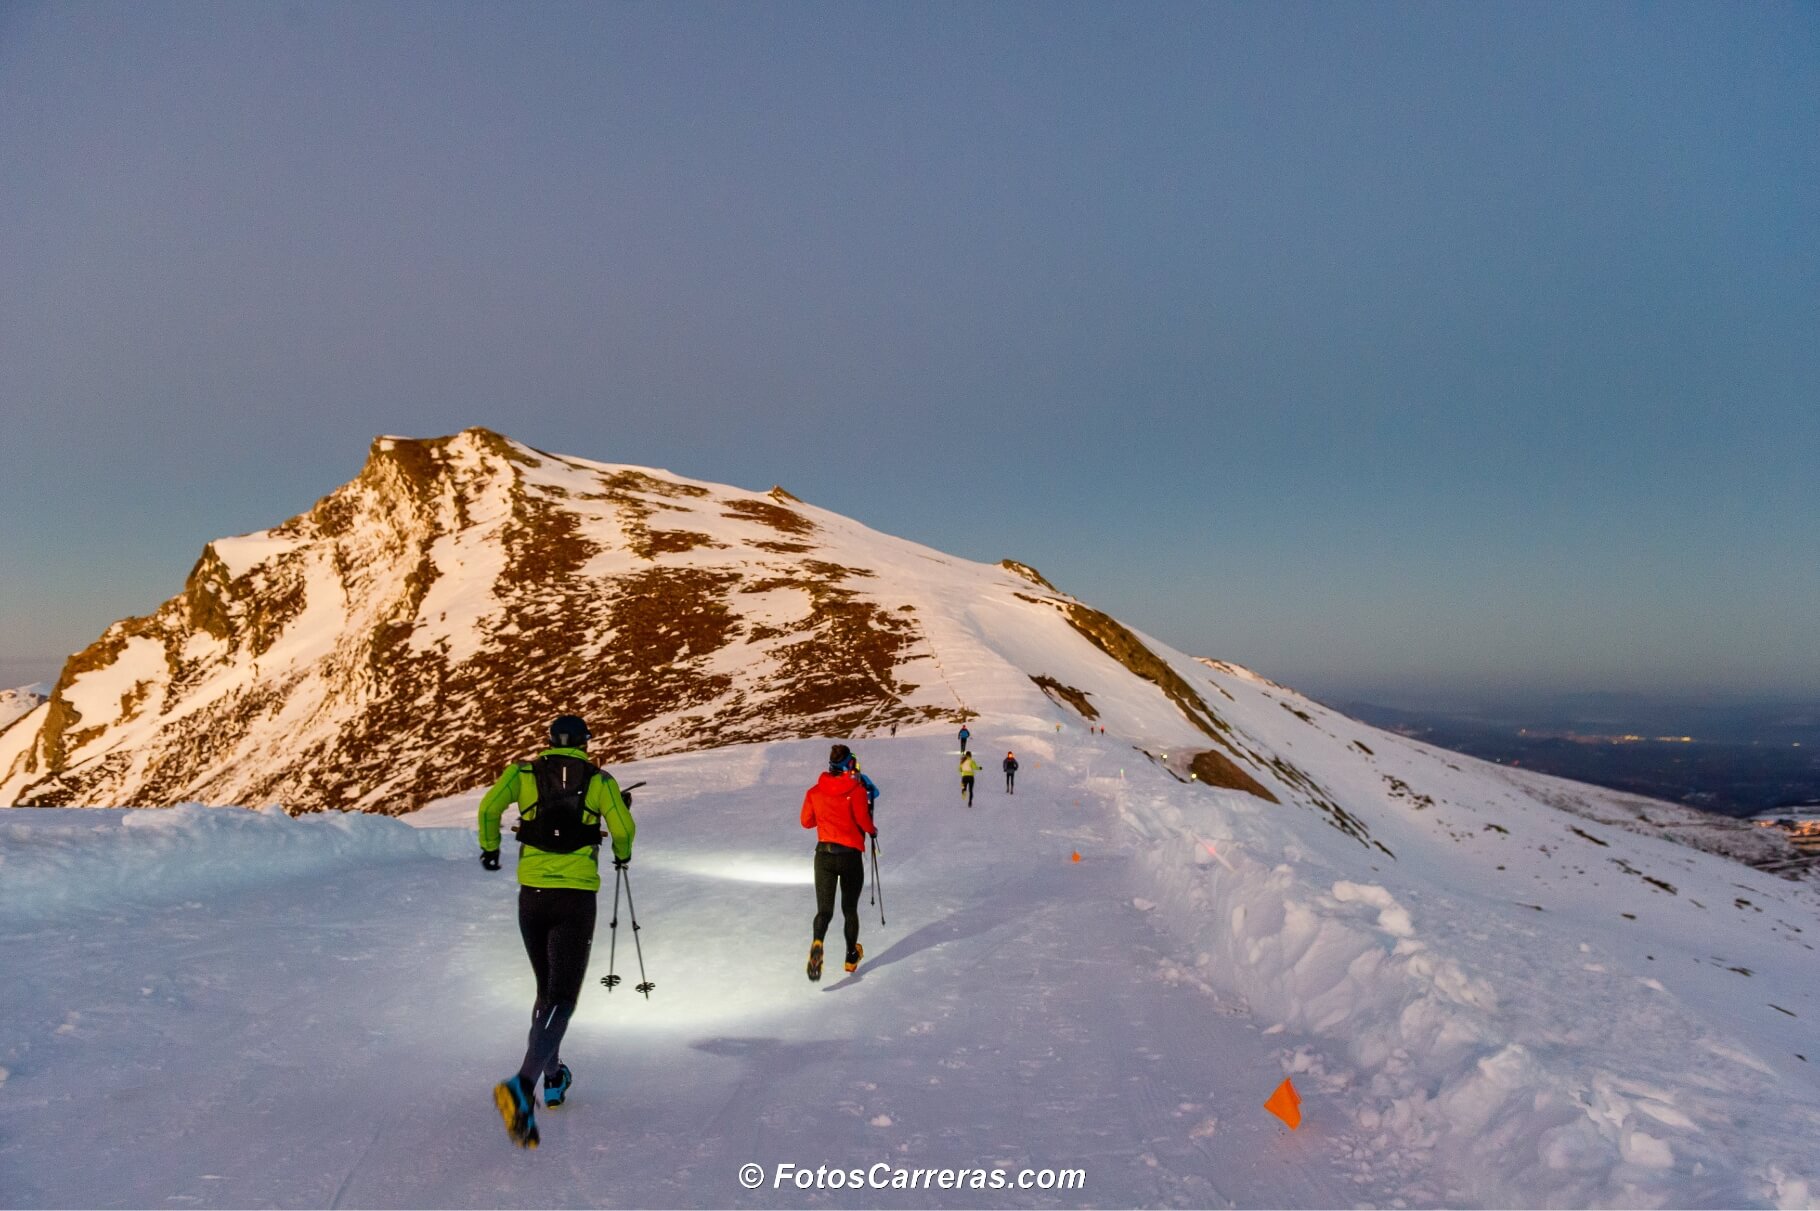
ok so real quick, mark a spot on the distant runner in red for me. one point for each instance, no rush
(836, 809)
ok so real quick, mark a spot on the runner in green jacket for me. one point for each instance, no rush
(536, 868)
(566, 808)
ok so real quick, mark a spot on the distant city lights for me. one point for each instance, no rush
(1583, 738)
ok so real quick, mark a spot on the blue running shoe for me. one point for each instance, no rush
(518, 1110)
(556, 1088)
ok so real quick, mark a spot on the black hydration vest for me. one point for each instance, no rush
(560, 822)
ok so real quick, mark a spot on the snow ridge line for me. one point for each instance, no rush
(137, 856)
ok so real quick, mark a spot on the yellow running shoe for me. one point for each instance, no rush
(518, 1111)
(815, 960)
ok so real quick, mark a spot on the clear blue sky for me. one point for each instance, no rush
(1453, 346)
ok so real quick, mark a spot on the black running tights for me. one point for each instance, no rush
(557, 924)
(848, 868)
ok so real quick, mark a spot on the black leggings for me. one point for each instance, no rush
(557, 924)
(838, 864)
(967, 788)
(1010, 778)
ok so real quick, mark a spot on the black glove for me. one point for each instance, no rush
(626, 797)
(489, 859)
(621, 863)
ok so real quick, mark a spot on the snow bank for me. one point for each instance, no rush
(60, 860)
(1433, 1068)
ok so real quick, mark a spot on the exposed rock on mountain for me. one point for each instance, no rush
(418, 627)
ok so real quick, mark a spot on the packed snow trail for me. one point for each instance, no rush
(228, 1008)
(331, 1041)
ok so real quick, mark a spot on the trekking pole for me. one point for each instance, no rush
(611, 980)
(645, 986)
(876, 885)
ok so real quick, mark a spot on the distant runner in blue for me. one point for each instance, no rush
(871, 787)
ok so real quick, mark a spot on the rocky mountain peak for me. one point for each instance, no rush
(401, 638)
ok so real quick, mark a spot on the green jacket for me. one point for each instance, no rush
(538, 868)
(969, 767)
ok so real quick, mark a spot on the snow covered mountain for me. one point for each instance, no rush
(1493, 987)
(410, 634)
(403, 636)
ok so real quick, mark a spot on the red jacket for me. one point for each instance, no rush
(836, 808)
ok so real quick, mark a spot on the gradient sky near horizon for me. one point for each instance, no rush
(1429, 347)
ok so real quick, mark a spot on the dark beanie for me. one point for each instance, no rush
(569, 732)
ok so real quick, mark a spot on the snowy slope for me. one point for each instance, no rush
(1545, 991)
(245, 1009)
(15, 704)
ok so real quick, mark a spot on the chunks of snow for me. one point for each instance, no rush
(1786, 1191)
(1641, 1148)
(1393, 918)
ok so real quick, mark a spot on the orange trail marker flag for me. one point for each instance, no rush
(1286, 1104)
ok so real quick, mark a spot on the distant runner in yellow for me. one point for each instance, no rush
(969, 767)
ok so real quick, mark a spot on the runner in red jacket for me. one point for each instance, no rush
(835, 808)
